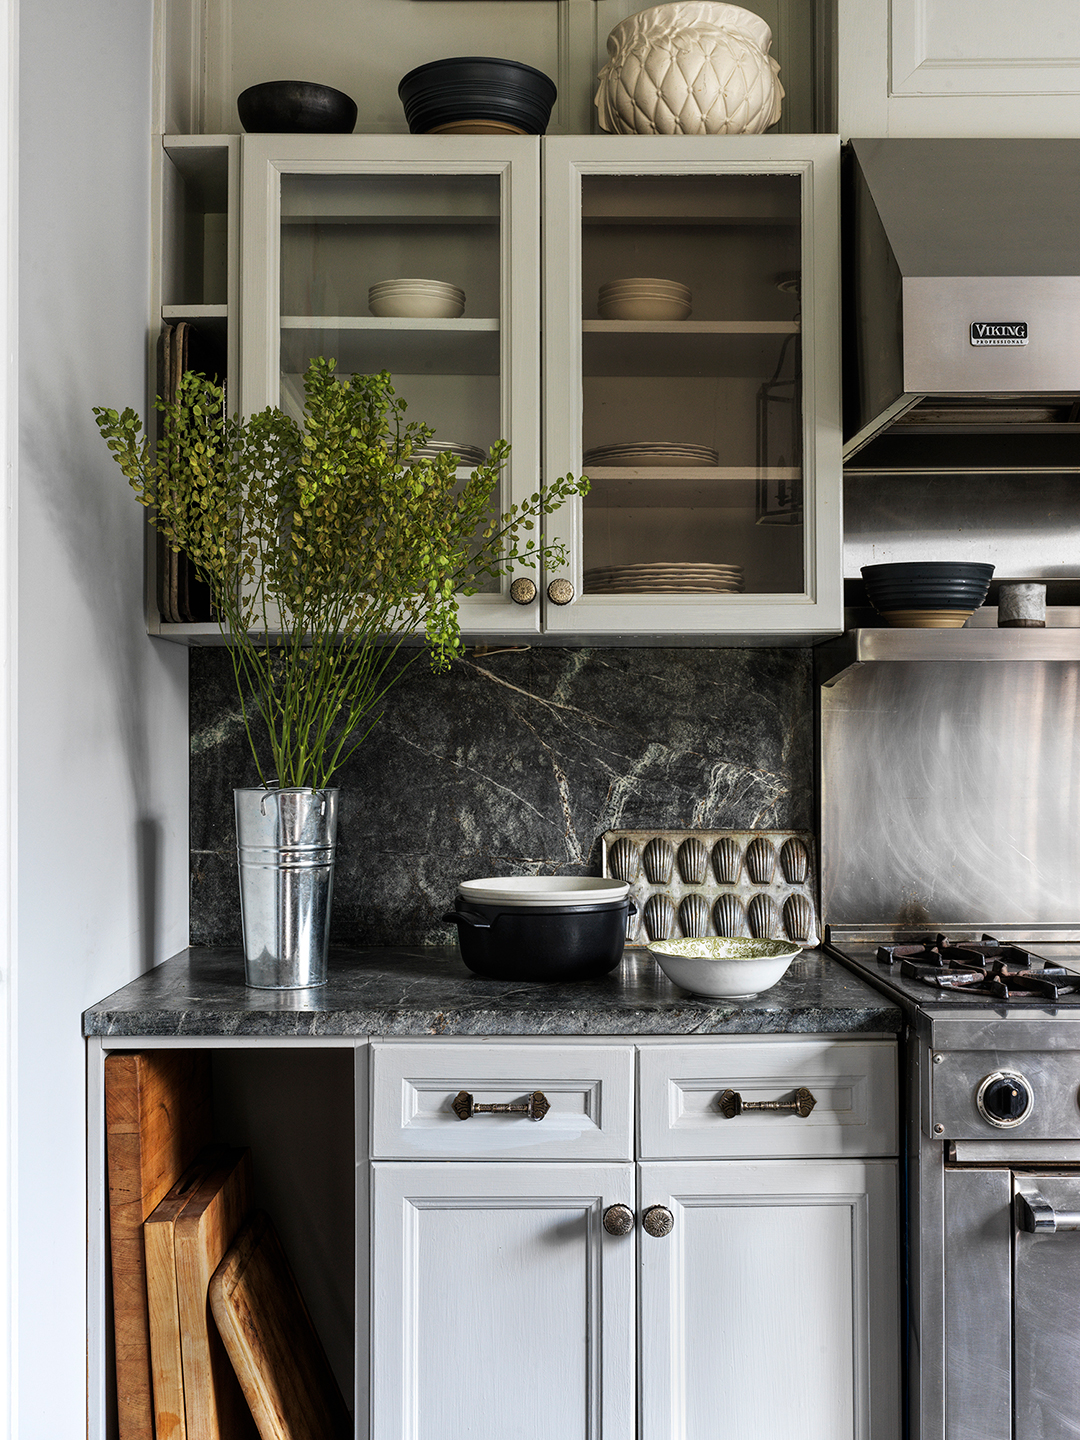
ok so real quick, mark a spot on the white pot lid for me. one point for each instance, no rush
(551, 890)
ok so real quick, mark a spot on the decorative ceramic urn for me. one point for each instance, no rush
(693, 68)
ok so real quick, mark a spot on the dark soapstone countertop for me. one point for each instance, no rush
(428, 991)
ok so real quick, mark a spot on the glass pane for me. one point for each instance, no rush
(342, 235)
(692, 418)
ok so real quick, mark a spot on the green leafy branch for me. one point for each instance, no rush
(326, 546)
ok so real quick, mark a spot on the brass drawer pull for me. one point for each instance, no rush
(731, 1103)
(618, 1220)
(535, 1107)
(657, 1221)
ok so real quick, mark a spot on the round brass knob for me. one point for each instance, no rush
(523, 590)
(657, 1220)
(561, 592)
(618, 1220)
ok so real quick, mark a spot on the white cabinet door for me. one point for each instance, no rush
(711, 438)
(502, 1310)
(770, 1309)
(935, 67)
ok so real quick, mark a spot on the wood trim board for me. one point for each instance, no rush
(157, 1119)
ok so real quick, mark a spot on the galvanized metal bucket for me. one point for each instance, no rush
(285, 841)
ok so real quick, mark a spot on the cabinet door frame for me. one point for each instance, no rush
(515, 161)
(866, 1189)
(402, 1190)
(781, 618)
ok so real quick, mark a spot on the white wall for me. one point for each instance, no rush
(101, 710)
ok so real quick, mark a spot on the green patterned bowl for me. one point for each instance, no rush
(727, 969)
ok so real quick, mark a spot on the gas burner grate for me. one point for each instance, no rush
(984, 968)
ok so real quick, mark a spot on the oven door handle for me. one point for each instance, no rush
(1037, 1215)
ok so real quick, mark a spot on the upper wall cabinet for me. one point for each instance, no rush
(933, 67)
(326, 218)
(710, 433)
(690, 346)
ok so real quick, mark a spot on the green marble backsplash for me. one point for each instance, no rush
(516, 762)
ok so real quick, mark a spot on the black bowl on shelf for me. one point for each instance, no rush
(929, 570)
(927, 585)
(295, 107)
(477, 88)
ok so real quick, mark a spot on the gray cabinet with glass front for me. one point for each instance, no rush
(712, 439)
(691, 366)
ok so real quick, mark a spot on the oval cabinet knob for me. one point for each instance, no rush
(561, 592)
(658, 1221)
(523, 590)
(618, 1220)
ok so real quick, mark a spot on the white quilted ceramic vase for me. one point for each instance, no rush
(695, 68)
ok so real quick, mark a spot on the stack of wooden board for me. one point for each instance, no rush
(196, 1393)
(184, 1239)
(157, 1119)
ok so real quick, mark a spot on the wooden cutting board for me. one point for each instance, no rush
(262, 1318)
(166, 1358)
(214, 1405)
(157, 1119)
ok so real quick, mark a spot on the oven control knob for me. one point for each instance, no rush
(1004, 1098)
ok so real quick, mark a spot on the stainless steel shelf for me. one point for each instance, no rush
(875, 645)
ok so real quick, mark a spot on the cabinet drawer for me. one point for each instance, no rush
(853, 1084)
(588, 1089)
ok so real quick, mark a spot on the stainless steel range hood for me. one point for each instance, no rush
(962, 304)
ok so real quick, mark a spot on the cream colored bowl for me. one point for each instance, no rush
(644, 307)
(722, 968)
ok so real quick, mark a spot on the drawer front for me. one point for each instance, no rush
(588, 1090)
(853, 1084)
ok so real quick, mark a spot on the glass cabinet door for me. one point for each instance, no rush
(332, 224)
(691, 361)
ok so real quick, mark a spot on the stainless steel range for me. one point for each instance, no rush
(992, 1055)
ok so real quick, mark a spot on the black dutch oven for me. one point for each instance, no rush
(541, 928)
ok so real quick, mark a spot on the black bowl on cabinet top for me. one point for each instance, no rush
(477, 87)
(301, 107)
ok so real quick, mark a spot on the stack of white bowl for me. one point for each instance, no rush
(644, 299)
(416, 299)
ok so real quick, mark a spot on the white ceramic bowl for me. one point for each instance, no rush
(416, 305)
(644, 307)
(545, 890)
(727, 969)
(646, 282)
(443, 287)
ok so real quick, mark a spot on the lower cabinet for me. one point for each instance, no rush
(500, 1306)
(548, 1298)
(572, 1239)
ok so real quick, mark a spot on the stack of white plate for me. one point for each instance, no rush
(467, 454)
(644, 299)
(417, 299)
(647, 452)
(657, 579)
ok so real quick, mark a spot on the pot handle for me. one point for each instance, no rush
(465, 917)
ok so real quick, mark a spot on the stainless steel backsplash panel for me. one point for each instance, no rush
(950, 794)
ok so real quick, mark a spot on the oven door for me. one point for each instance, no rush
(1046, 1305)
(1012, 1303)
